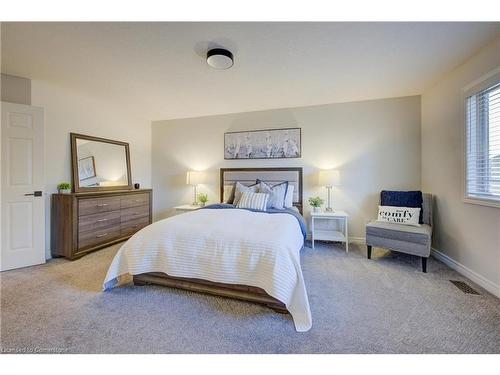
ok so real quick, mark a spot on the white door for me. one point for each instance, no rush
(23, 210)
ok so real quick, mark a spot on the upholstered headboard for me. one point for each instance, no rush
(273, 176)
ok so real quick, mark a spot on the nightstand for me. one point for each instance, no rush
(330, 234)
(186, 208)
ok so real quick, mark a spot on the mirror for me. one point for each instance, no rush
(99, 164)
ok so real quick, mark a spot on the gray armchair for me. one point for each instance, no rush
(404, 238)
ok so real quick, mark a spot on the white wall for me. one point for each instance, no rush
(68, 111)
(469, 234)
(375, 144)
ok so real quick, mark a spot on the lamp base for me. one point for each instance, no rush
(329, 204)
(195, 202)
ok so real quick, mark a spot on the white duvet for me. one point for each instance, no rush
(223, 245)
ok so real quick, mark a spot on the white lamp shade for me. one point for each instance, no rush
(195, 178)
(329, 177)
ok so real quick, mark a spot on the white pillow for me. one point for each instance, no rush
(399, 215)
(289, 196)
(239, 189)
(255, 201)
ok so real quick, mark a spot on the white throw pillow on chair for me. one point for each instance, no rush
(399, 215)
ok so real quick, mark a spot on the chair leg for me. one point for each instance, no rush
(369, 251)
(424, 265)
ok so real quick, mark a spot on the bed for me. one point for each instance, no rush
(225, 251)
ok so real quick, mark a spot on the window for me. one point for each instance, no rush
(482, 122)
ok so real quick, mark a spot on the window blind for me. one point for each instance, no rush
(483, 144)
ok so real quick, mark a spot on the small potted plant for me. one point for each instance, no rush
(316, 203)
(64, 188)
(203, 198)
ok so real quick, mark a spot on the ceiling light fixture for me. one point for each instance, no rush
(220, 58)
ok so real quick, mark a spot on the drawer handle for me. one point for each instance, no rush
(137, 200)
(101, 235)
(102, 205)
(135, 226)
(101, 220)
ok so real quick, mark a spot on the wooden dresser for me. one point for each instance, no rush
(84, 222)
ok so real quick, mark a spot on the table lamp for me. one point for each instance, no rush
(329, 178)
(195, 178)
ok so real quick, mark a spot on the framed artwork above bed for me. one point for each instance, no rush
(263, 144)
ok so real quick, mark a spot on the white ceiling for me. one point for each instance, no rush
(161, 68)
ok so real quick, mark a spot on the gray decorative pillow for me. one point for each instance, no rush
(276, 193)
(239, 189)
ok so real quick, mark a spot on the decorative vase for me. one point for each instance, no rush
(316, 209)
(202, 204)
(64, 191)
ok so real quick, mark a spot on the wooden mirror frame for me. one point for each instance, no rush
(74, 164)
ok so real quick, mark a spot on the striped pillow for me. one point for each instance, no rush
(239, 189)
(254, 201)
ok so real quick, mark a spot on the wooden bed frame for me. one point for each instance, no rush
(241, 292)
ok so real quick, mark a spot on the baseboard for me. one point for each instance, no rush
(489, 285)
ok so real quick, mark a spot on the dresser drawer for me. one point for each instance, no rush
(130, 227)
(96, 237)
(134, 213)
(133, 200)
(90, 206)
(97, 221)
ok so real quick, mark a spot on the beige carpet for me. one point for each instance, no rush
(384, 305)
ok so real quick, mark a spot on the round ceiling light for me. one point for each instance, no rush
(219, 58)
